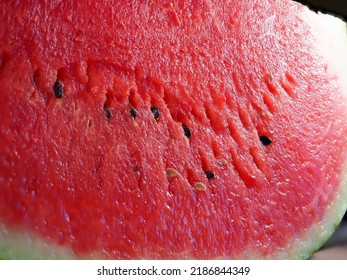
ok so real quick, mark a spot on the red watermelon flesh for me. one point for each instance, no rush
(170, 129)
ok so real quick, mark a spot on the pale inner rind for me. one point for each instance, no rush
(331, 43)
(15, 244)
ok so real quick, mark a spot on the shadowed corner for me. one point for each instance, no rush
(336, 8)
(336, 247)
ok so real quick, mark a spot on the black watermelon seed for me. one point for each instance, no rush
(107, 112)
(133, 112)
(265, 140)
(209, 175)
(58, 89)
(186, 130)
(155, 112)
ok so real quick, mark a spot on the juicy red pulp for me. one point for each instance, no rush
(244, 148)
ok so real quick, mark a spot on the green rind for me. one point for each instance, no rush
(321, 232)
(18, 245)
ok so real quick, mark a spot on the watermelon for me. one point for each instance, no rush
(170, 129)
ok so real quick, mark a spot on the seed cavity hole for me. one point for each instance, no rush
(107, 112)
(266, 141)
(209, 174)
(58, 89)
(133, 112)
(155, 112)
(90, 123)
(186, 131)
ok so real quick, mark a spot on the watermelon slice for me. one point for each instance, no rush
(170, 129)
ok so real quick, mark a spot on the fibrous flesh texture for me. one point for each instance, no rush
(170, 129)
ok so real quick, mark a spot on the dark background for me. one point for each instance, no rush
(338, 7)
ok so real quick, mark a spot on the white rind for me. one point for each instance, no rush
(319, 233)
(331, 42)
(331, 34)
